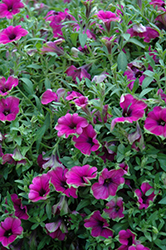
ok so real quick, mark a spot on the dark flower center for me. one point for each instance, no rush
(138, 74)
(8, 233)
(4, 90)
(42, 192)
(161, 122)
(72, 126)
(144, 198)
(100, 223)
(90, 141)
(12, 36)
(64, 184)
(10, 8)
(117, 208)
(6, 112)
(130, 241)
(127, 113)
(107, 182)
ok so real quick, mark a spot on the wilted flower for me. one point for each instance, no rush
(9, 230)
(99, 225)
(77, 72)
(8, 8)
(57, 230)
(48, 162)
(108, 184)
(11, 34)
(52, 47)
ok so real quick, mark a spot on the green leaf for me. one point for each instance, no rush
(34, 66)
(146, 82)
(122, 61)
(82, 204)
(144, 92)
(82, 39)
(29, 85)
(162, 160)
(73, 38)
(163, 201)
(40, 132)
(136, 42)
(48, 210)
(47, 83)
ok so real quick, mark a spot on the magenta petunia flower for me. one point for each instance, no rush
(81, 101)
(49, 96)
(11, 34)
(144, 199)
(138, 247)
(39, 189)
(20, 210)
(127, 239)
(7, 85)
(9, 230)
(124, 166)
(162, 95)
(108, 183)
(136, 139)
(81, 176)
(59, 180)
(8, 8)
(107, 17)
(133, 110)
(9, 108)
(99, 225)
(77, 72)
(105, 153)
(87, 141)
(71, 124)
(115, 208)
(72, 95)
(156, 121)
(132, 75)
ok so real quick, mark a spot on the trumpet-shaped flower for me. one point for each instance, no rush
(39, 189)
(71, 124)
(115, 208)
(81, 176)
(133, 110)
(8, 8)
(127, 239)
(108, 183)
(99, 225)
(156, 121)
(11, 34)
(9, 230)
(107, 17)
(144, 199)
(7, 85)
(59, 180)
(87, 141)
(20, 210)
(9, 108)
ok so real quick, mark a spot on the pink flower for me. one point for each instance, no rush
(9, 230)
(7, 85)
(115, 208)
(144, 199)
(11, 34)
(16, 158)
(9, 108)
(81, 101)
(39, 189)
(72, 95)
(124, 166)
(162, 95)
(107, 17)
(59, 180)
(48, 96)
(87, 141)
(105, 153)
(132, 75)
(20, 210)
(81, 176)
(133, 110)
(10, 7)
(99, 225)
(127, 238)
(138, 247)
(71, 124)
(156, 121)
(77, 72)
(136, 139)
(108, 183)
